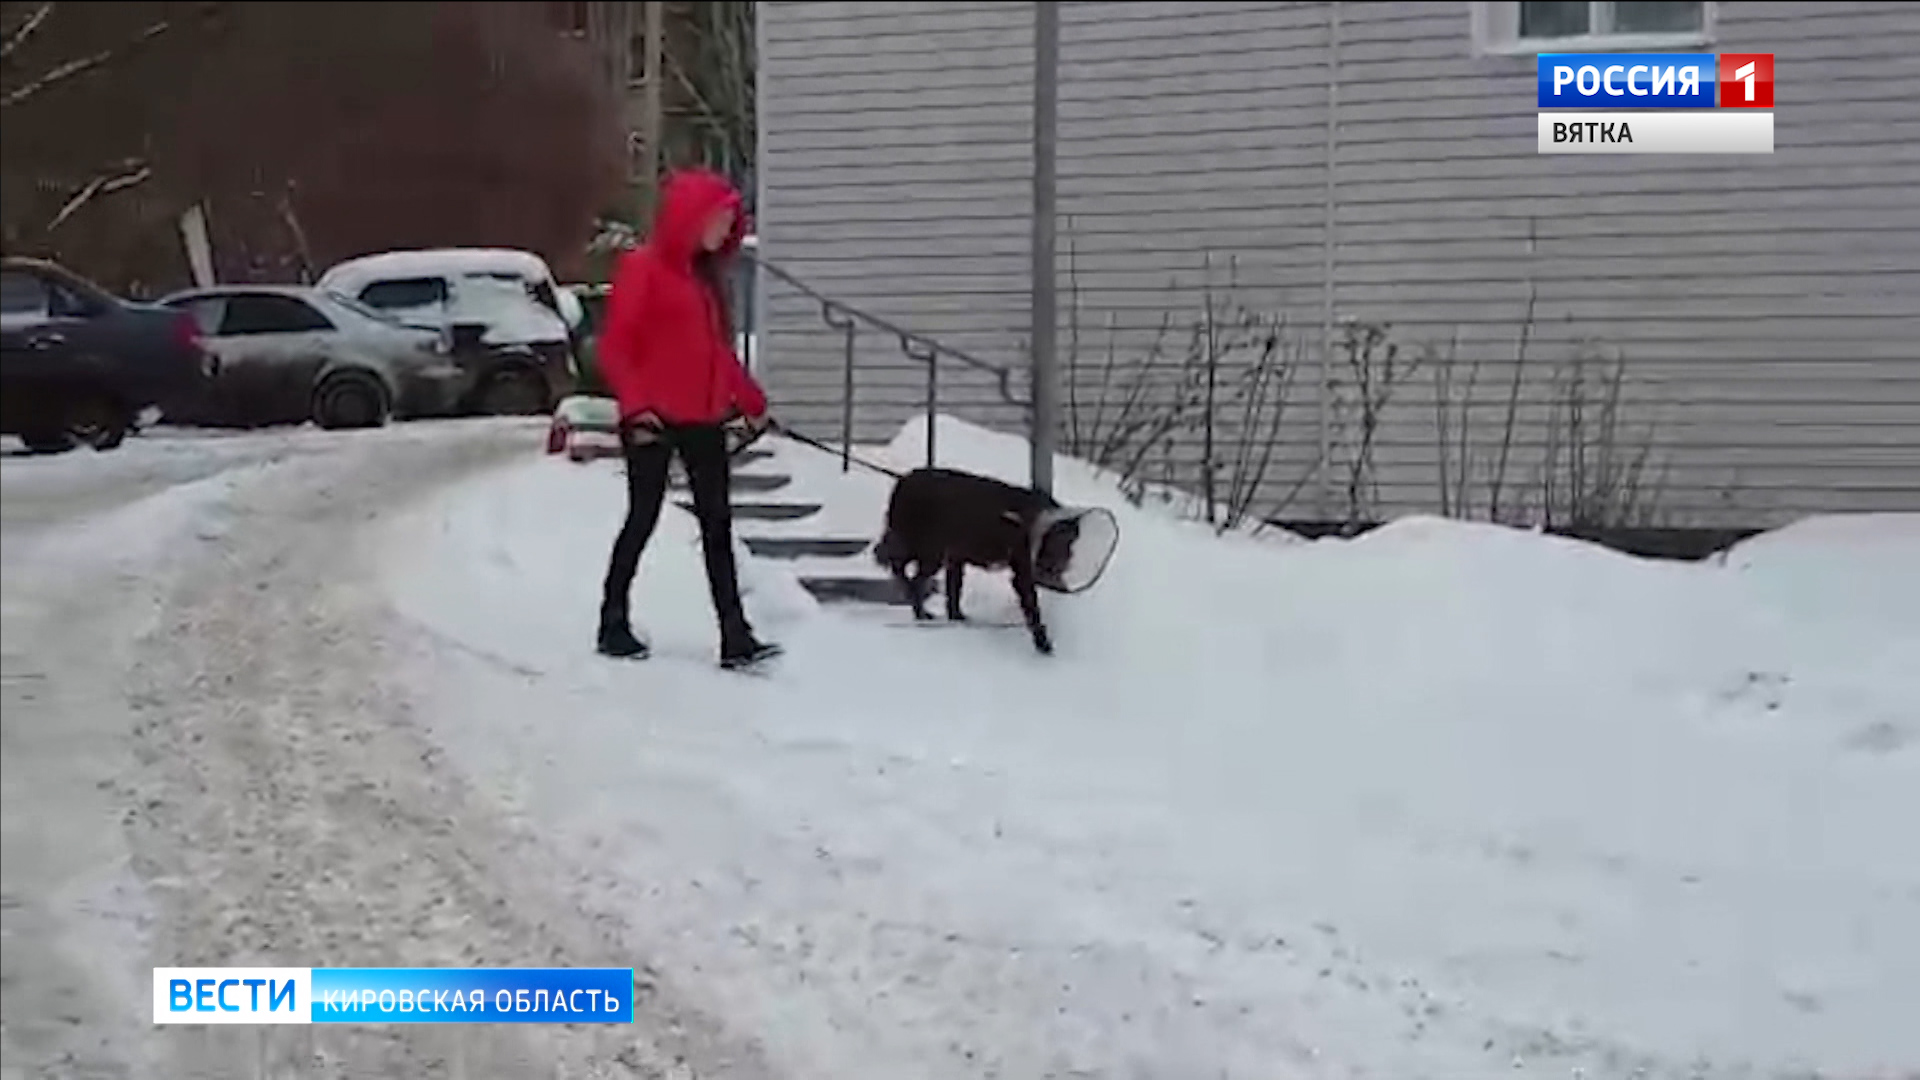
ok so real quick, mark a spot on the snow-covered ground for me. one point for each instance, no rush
(209, 756)
(1444, 801)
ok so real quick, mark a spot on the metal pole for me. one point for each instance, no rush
(933, 399)
(760, 312)
(1046, 398)
(653, 121)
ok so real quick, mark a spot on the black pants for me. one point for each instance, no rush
(703, 451)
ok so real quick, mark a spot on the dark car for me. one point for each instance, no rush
(80, 365)
(290, 353)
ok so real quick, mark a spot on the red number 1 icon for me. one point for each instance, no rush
(1746, 80)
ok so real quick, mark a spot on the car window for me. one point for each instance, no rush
(22, 293)
(206, 312)
(67, 303)
(365, 311)
(268, 313)
(405, 293)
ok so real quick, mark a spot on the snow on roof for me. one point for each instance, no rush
(352, 274)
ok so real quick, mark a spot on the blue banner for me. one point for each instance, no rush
(1627, 80)
(472, 995)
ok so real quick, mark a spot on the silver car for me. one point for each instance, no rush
(290, 354)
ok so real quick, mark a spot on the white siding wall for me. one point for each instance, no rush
(1767, 309)
(896, 177)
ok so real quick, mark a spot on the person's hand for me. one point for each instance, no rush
(760, 425)
(641, 429)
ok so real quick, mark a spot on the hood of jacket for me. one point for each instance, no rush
(688, 199)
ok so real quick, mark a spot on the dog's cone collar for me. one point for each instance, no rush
(1092, 550)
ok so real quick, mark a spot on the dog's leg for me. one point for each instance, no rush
(921, 586)
(1030, 605)
(956, 578)
(908, 588)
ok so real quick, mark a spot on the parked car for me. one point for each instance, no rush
(80, 365)
(511, 322)
(585, 427)
(289, 353)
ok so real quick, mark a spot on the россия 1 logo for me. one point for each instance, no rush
(1626, 80)
(1655, 103)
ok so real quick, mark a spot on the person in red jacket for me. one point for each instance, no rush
(667, 354)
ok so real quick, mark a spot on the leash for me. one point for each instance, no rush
(628, 433)
(808, 440)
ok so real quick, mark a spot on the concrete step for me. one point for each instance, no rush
(854, 590)
(796, 547)
(763, 511)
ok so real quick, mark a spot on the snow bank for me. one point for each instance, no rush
(1446, 800)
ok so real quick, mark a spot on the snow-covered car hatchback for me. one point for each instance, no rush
(510, 322)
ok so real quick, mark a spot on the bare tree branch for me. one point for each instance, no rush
(62, 72)
(18, 35)
(129, 174)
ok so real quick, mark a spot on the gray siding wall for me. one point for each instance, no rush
(1306, 166)
(896, 177)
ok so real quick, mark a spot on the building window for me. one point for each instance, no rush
(1531, 26)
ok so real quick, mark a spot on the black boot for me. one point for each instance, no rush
(617, 640)
(740, 649)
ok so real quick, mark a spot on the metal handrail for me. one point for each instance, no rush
(916, 346)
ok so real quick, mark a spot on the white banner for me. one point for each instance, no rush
(1739, 131)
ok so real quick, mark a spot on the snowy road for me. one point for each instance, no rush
(209, 759)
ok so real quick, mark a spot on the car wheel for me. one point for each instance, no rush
(350, 400)
(97, 420)
(516, 391)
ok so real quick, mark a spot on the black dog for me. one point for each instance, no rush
(943, 518)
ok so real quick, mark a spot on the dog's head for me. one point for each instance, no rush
(1055, 554)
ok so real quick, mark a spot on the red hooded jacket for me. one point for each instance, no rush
(665, 348)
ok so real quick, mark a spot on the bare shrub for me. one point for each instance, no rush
(1374, 366)
(1595, 474)
(1219, 383)
(1218, 379)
